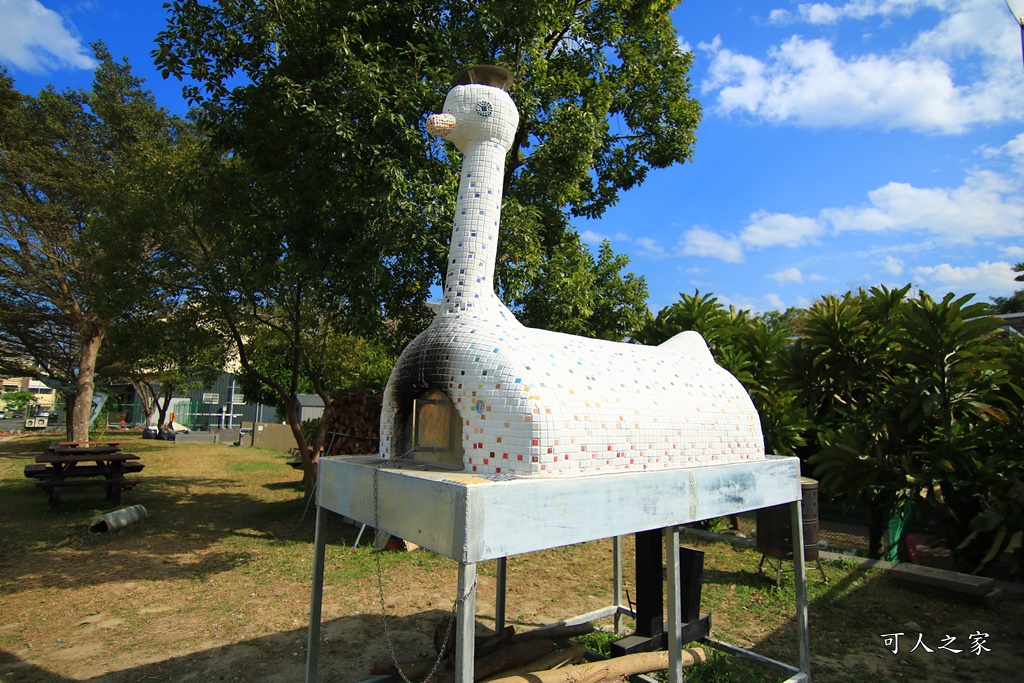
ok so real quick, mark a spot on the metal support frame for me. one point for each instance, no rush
(499, 599)
(467, 526)
(465, 621)
(316, 595)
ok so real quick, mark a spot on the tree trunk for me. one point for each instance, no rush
(161, 408)
(92, 338)
(145, 396)
(878, 519)
(69, 413)
(310, 460)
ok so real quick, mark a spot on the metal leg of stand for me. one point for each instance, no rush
(617, 580)
(675, 610)
(316, 599)
(465, 623)
(800, 581)
(499, 599)
(822, 570)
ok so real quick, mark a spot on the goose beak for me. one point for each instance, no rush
(440, 125)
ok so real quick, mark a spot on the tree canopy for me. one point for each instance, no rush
(335, 207)
(80, 206)
(325, 104)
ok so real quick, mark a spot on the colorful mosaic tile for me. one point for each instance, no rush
(543, 403)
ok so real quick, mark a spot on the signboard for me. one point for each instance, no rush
(238, 398)
(211, 398)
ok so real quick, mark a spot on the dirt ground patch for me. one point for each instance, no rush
(214, 586)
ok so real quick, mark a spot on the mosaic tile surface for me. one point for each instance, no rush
(543, 403)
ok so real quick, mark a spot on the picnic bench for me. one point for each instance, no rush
(76, 464)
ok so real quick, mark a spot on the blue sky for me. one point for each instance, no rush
(843, 144)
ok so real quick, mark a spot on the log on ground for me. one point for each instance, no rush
(617, 669)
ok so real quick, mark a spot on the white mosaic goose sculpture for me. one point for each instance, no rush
(534, 402)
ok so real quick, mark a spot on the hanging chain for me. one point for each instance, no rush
(380, 583)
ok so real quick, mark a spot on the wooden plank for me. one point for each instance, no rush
(91, 457)
(44, 472)
(69, 450)
(36, 470)
(123, 483)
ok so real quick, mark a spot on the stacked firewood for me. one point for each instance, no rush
(529, 657)
(352, 422)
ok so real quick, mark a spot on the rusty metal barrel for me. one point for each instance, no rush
(775, 531)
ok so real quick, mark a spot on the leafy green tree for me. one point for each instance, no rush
(785, 321)
(954, 411)
(841, 366)
(1015, 302)
(336, 362)
(176, 352)
(576, 294)
(18, 400)
(80, 207)
(326, 202)
(916, 406)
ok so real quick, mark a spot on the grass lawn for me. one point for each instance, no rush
(214, 585)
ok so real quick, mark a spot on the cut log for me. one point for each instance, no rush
(617, 669)
(555, 632)
(353, 418)
(481, 644)
(569, 655)
(444, 636)
(489, 643)
(514, 655)
(413, 669)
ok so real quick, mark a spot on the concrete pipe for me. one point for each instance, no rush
(118, 519)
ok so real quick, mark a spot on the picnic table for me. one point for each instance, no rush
(78, 464)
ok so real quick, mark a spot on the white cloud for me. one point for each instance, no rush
(986, 206)
(787, 275)
(805, 82)
(775, 302)
(703, 242)
(740, 302)
(650, 248)
(1015, 147)
(994, 278)
(774, 229)
(893, 265)
(825, 13)
(591, 237)
(35, 39)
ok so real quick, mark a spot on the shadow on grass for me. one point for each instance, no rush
(350, 644)
(187, 519)
(849, 616)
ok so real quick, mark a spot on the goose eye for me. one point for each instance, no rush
(484, 108)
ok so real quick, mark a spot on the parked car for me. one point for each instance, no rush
(3, 414)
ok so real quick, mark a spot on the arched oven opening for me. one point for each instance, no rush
(430, 431)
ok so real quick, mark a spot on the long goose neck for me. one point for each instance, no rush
(469, 283)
